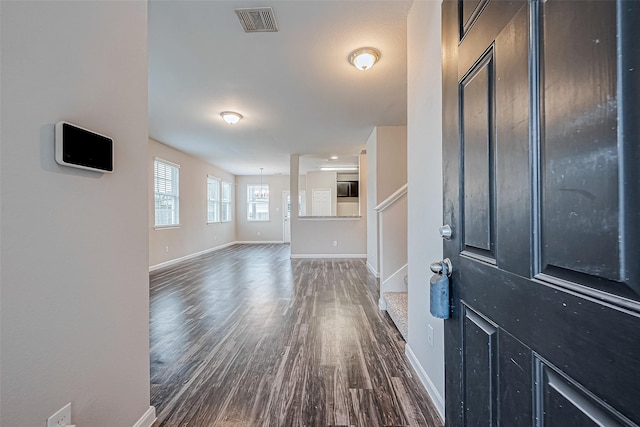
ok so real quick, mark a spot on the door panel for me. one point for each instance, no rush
(513, 211)
(562, 402)
(515, 381)
(479, 359)
(580, 202)
(541, 189)
(469, 11)
(476, 102)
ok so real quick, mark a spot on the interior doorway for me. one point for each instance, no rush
(321, 202)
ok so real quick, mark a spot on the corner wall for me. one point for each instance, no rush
(387, 169)
(372, 223)
(424, 123)
(74, 249)
(194, 234)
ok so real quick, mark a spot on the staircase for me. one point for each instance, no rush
(392, 250)
(397, 308)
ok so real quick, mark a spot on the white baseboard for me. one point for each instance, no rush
(186, 257)
(382, 304)
(147, 419)
(332, 256)
(373, 270)
(437, 399)
(395, 282)
(259, 242)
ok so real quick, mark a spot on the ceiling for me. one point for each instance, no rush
(295, 88)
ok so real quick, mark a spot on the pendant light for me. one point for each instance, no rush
(263, 193)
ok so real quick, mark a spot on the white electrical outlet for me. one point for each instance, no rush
(166, 249)
(335, 243)
(430, 335)
(258, 233)
(62, 418)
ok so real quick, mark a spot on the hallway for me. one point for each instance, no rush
(246, 336)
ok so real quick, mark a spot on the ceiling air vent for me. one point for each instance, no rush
(257, 19)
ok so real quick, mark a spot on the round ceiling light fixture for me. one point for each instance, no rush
(231, 117)
(364, 58)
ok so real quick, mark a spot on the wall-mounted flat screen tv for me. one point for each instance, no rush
(81, 148)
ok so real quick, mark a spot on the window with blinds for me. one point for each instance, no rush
(213, 199)
(166, 191)
(226, 201)
(258, 202)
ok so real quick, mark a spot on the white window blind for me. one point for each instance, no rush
(226, 201)
(166, 190)
(213, 199)
(258, 202)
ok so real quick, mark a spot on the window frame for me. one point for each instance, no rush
(215, 201)
(224, 202)
(175, 184)
(266, 202)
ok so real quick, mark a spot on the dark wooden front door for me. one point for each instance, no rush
(541, 107)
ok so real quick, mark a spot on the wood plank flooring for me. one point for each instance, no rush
(246, 336)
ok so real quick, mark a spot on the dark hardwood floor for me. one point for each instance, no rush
(246, 336)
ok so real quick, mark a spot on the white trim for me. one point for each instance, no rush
(285, 220)
(216, 248)
(392, 198)
(259, 242)
(165, 227)
(186, 257)
(437, 399)
(329, 218)
(331, 256)
(147, 419)
(217, 202)
(395, 282)
(160, 159)
(382, 304)
(231, 205)
(373, 270)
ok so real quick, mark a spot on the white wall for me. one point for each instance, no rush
(270, 231)
(425, 189)
(393, 238)
(74, 249)
(391, 155)
(372, 223)
(348, 208)
(315, 237)
(387, 169)
(194, 234)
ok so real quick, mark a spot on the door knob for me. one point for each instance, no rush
(446, 232)
(436, 266)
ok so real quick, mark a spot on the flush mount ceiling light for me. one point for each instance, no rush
(231, 117)
(364, 58)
